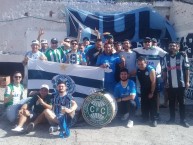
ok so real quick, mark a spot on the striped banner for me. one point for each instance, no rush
(81, 80)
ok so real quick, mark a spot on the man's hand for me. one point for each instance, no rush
(40, 100)
(150, 95)
(119, 100)
(41, 32)
(66, 110)
(187, 85)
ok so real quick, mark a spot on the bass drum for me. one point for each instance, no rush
(99, 109)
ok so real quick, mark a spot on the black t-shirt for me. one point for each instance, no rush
(35, 106)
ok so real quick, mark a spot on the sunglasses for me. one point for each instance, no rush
(146, 41)
(74, 43)
(17, 77)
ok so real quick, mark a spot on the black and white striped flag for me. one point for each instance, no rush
(81, 80)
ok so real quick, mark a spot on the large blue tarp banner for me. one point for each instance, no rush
(133, 25)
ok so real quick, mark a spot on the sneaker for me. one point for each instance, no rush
(130, 124)
(53, 129)
(30, 127)
(154, 123)
(171, 121)
(17, 129)
(184, 124)
(125, 117)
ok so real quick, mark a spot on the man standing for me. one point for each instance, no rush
(73, 56)
(124, 93)
(62, 112)
(93, 53)
(147, 79)
(176, 78)
(54, 53)
(130, 58)
(153, 55)
(108, 61)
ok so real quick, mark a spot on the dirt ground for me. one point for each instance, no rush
(114, 133)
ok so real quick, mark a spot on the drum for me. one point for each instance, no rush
(99, 109)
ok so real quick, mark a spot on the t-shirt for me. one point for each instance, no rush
(175, 67)
(59, 102)
(75, 58)
(37, 107)
(153, 56)
(130, 60)
(36, 55)
(111, 61)
(122, 92)
(55, 55)
(16, 91)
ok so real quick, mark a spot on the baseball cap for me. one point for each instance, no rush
(54, 41)
(44, 86)
(108, 36)
(147, 39)
(85, 39)
(44, 41)
(35, 42)
(154, 40)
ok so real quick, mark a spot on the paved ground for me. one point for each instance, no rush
(113, 134)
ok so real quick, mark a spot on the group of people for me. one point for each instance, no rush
(126, 69)
(58, 108)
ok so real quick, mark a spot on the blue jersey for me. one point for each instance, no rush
(111, 61)
(88, 47)
(121, 92)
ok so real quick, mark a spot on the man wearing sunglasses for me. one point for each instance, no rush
(13, 94)
(54, 53)
(65, 45)
(74, 57)
(153, 55)
(14, 91)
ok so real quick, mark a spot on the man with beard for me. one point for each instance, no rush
(124, 93)
(62, 111)
(108, 61)
(176, 78)
(93, 53)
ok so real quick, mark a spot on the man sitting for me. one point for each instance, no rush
(39, 102)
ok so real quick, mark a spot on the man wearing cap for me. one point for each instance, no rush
(44, 45)
(34, 53)
(153, 56)
(33, 109)
(54, 53)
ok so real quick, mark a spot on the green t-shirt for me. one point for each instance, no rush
(55, 55)
(16, 92)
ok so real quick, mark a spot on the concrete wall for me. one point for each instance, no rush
(17, 29)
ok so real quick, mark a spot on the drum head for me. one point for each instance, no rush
(99, 109)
